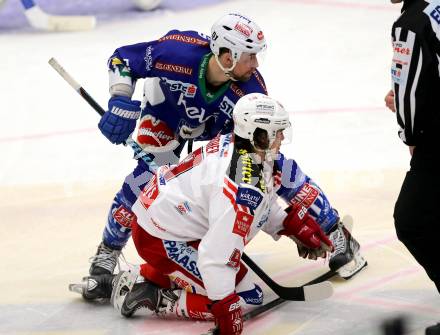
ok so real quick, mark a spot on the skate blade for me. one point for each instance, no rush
(77, 288)
(353, 268)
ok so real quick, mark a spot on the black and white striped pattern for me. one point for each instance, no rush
(415, 68)
(405, 89)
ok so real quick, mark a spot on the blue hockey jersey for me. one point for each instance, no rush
(180, 94)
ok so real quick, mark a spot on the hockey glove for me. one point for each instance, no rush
(303, 229)
(120, 120)
(228, 316)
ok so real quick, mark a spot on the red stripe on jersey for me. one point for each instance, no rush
(231, 197)
(231, 185)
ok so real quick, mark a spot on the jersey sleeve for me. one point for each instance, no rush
(410, 68)
(129, 63)
(275, 220)
(298, 189)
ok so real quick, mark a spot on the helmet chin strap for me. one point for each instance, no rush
(269, 153)
(227, 71)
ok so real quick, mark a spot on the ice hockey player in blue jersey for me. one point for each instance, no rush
(192, 83)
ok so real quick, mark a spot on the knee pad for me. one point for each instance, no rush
(252, 297)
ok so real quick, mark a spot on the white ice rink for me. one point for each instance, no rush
(328, 62)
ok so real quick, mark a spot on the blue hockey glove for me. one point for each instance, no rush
(120, 120)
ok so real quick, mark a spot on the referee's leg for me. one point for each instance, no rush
(417, 222)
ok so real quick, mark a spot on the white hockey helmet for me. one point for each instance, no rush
(257, 110)
(237, 33)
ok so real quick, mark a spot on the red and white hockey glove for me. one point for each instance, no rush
(228, 316)
(303, 229)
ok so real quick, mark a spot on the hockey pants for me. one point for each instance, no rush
(176, 262)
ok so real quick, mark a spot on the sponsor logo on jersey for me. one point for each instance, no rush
(150, 193)
(193, 112)
(260, 81)
(246, 169)
(396, 74)
(183, 208)
(234, 260)
(174, 68)
(183, 255)
(400, 48)
(248, 197)
(242, 224)
(184, 39)
(264, 219)
(148, 58)
(306, 196)
(237, 90)
(260, 35)
(120, 66)
(227, 106)
(242, 170)
(243, 28)
(435, 14)
(189, 90)
(213, 145)
(161, 173)
(225, 145)
(124, 217)
(158, 226)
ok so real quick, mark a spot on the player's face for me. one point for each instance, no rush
(246, 65)
(277, 142)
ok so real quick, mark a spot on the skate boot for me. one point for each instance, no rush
(94, 287)
(433, 330)
(131, 292)
(346, 258)
(105, 260)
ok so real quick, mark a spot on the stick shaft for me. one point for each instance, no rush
(139, 152)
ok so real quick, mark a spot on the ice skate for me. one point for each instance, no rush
(346, 258)
(129, 295)
(433, 330)
(94, 287)
(131, 292)
(104, 261)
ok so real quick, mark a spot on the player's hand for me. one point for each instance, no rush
(389, 101)
(302, 227)
(120, 120)
(228, 316)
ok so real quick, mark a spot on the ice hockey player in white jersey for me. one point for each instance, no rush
(195, 218)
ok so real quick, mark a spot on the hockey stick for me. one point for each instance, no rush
(278, 301)
(139, 153)
(41, 20)
(308, 292)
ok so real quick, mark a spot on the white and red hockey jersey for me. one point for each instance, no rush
(219, 195)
